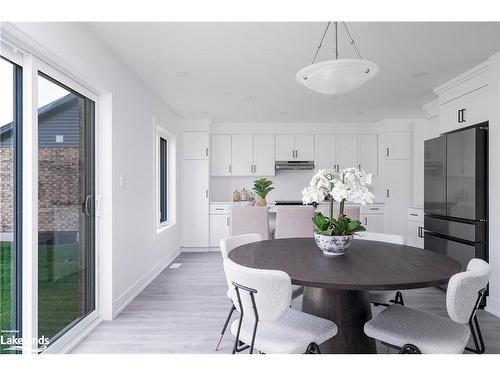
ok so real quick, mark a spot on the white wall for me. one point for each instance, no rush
(493, 303)
(135, 253)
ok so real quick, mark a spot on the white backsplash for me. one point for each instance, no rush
(288, 185)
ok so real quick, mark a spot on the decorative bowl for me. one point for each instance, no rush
(333, 245)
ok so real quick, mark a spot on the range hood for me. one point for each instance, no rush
(294, 165)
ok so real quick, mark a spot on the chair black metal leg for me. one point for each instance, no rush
(231, 311)
(398, 299)
(477, 337)
(409, 349)
(313, 348)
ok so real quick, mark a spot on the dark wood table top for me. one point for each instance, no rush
(367, 265)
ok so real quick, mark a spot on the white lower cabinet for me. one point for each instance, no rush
(219, 228)
(195, 206)
(373, 223)
(397, 195)
(415, 235)
(372, 217)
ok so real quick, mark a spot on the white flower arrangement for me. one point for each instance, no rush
(346, 185)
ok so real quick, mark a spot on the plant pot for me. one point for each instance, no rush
(333, 245)
(262, 202)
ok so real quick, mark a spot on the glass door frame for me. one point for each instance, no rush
(15, 58)
(32, 66)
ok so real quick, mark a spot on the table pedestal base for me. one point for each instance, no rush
(350, 310)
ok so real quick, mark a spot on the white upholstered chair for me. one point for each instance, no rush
(413, 331)
(249, 219)
(226, 246)
(294, 221)
(267, 322)
(381, 297)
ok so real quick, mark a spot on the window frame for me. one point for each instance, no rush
(163, 181)
(159, 133)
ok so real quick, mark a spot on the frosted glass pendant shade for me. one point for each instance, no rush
(335, 77)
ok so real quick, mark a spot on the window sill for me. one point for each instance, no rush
(162, 228)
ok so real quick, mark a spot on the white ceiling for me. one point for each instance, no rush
(245, 71)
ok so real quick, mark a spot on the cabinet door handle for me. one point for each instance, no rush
(206, 151)
(229, 168)
(206, 193)
(414, 214)
(387, 152)
(387, 193)
(366, 221)
(254, 168)
(359, 166)
(227, 221)
(463, 115)
(421, 232)
(459, 113)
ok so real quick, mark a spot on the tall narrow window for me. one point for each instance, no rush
(66, 251)
(10, 204)
(163, 181)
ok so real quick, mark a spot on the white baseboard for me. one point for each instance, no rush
(122, 301)
(493, 306)
(200, 249)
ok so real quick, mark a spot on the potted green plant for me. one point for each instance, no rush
(334, 234)
(262, 187)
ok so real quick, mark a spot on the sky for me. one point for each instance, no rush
(47, 92)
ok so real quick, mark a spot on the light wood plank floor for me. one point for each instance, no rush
(183, 310)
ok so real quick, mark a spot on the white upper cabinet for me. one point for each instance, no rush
(325, 149)
(304, 147)
(344, 151)
(195, 145)
(347, 151)
(368, 153)
(463, 100)
(397, 145)
(295, 147)
(469, 109)
(285, 146)
(263, 155)
(221, 155)
(242, 154)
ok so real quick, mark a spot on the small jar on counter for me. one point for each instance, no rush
(244, 195)
(236, 196)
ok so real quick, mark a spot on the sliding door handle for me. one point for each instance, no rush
(86, 205)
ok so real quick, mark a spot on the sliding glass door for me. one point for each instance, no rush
(10, 205)
(66, 235)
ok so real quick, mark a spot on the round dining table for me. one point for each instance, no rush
(336, 287)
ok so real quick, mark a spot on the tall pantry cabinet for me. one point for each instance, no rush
(195, 194)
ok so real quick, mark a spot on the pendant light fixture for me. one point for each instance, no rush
(338, 76)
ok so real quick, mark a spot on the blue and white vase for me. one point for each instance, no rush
(333, 245)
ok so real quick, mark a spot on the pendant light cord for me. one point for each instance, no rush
(336, 51)
(321, 42)
(351, 40)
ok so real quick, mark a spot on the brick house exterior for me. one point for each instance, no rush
(58, 167)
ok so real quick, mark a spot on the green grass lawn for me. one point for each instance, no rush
(59, 294)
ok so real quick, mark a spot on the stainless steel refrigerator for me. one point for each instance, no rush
(456, 193)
